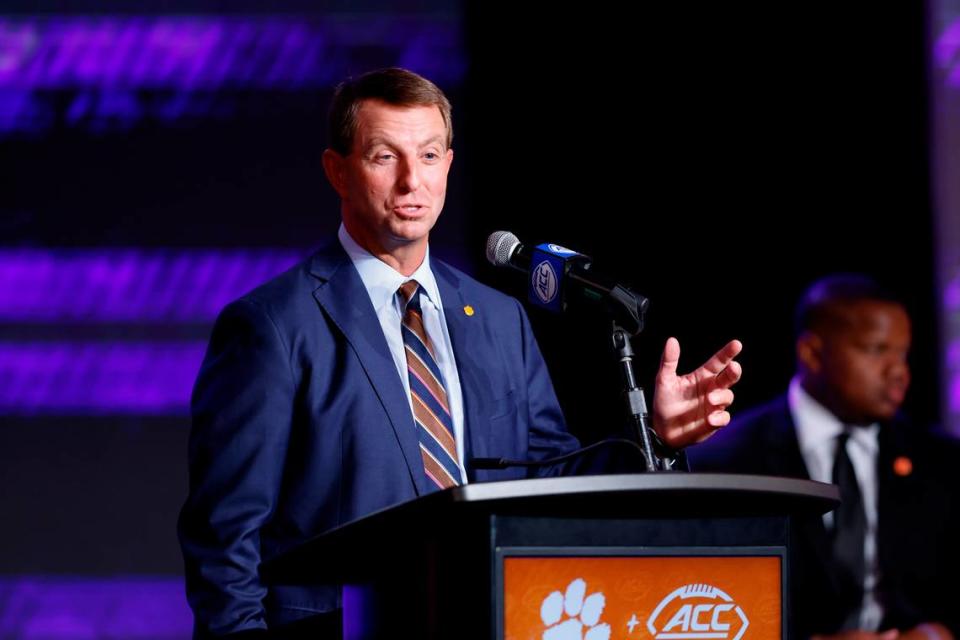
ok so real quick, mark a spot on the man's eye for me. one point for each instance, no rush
(384, 157)
(431, 156)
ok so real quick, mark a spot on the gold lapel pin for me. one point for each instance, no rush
(468, 310)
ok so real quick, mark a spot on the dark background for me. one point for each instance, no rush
(714, 158)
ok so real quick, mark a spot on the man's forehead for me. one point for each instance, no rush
(865, 315)
(378, 137)
(377, 118)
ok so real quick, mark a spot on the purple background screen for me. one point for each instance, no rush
(160, 158)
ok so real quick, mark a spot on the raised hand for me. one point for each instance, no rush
(689, 408)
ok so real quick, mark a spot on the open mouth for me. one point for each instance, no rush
(409, 211)
(895, 395)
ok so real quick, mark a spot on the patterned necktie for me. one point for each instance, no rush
(849, 532)
(428, 395)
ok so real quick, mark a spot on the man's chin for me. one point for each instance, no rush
(884, 411)
(411, 231)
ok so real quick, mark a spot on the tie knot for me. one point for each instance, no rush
(408, 290)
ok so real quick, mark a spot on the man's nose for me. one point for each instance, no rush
(898, 367)
(409, 177)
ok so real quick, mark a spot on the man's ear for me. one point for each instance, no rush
(334, 167)
(810, 352)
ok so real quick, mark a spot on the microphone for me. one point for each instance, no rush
(558, 277)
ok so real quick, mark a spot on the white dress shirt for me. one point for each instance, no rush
(382, 282)
(817, 433)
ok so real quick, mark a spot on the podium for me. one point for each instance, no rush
(667, 555)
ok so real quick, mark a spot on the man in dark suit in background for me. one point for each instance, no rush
(369, 374)
(880, 565)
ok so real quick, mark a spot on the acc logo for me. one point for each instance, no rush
(561, 251)
(544, 281)
(697, 611)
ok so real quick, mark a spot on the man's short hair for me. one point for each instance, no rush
(821, 307)
(395, 86)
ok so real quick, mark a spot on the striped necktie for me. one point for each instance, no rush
(428, 395)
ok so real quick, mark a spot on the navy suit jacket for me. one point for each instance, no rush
(301, 424)
(918, 533)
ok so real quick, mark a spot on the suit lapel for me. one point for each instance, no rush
(781, 441)
(897, 495)
(467, 350)
(816, 531)
(344, 299)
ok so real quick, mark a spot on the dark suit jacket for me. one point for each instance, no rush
(301, 424)
(918, 519)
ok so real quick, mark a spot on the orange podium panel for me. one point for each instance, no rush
(648, 597)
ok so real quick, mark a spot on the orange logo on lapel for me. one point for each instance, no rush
(468, 310)
(903, 466)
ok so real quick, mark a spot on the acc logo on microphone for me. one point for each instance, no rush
(543, 280)
(697, 611)
(561, 251)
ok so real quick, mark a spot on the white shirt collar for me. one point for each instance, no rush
(380, 279)
(816, 425)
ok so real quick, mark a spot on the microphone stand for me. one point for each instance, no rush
(635, 398)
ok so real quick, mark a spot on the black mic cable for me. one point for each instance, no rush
(503, 463)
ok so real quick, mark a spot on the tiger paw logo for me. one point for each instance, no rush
(698, 611)
(574, 615)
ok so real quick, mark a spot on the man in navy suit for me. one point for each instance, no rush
(319, 391)
(880, 565)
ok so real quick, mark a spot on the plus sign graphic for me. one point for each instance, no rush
(632, 623)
